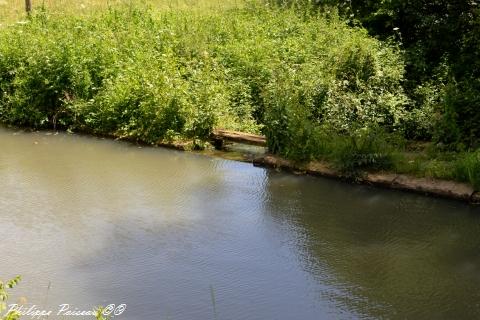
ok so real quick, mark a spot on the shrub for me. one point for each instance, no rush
(354, 85)
(120, 72)
(130, 72)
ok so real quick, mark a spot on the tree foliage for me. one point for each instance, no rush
(441, 41)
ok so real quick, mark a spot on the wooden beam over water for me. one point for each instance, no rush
(240, 137)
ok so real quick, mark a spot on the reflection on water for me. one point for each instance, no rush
(174, 235)
(389, 254)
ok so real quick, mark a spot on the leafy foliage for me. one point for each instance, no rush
(131, 72)
(4, 294)
(123, 73)
(435, 35)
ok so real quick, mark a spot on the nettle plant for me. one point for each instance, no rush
(4, 293)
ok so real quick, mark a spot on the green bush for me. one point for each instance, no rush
(354, 85)
(131, 72)
(121, 73)
(433, 34)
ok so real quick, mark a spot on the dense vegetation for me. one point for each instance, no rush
(129, 72)
(317, 84)
(442, 52)
(440, 45)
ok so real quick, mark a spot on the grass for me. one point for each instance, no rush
(12, 11)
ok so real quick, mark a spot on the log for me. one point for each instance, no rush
(240, 137)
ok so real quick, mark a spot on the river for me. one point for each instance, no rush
(173, 235)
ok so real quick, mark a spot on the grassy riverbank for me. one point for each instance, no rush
(316, 87)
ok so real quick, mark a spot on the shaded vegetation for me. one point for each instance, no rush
(441, 46)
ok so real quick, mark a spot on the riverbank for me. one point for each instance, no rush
(429, 186)
(317, 88)
(425, 185)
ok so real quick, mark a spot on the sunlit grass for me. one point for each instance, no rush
(12, 11)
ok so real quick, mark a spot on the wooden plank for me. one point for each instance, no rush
(239, 137)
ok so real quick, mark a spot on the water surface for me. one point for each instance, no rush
(174, 235)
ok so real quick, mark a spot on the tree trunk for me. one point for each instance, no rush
(28, 6)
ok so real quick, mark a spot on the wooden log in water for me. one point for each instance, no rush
(221, 135)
